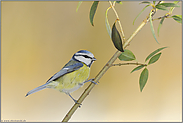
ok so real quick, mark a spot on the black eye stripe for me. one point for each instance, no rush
(84, 56)
(87, 56)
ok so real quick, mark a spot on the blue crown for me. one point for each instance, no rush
(83, 51)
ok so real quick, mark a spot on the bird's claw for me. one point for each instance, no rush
(78, 103)
(92, 80)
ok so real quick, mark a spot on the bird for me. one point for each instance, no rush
(72, 76)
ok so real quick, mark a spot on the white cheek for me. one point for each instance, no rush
(90, 55)
(87, 61)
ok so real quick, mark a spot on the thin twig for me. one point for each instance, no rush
(122, 32)
(165, 16)
(119, 64)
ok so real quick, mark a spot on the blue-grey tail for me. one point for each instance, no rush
(37, 89)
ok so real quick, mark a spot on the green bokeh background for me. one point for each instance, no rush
(38, 38)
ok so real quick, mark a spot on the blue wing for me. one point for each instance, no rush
(65, 70)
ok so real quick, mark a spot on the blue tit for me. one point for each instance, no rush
(72, 76)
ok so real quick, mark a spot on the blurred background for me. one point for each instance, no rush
(38, 38)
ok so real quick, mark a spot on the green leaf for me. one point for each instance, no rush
(169, 4)
(152, 28)
(172, 8)
(177, 18)
(153, 53)
(160, 24)
(119, 2)
(161, 7)
(154, 2)
(154, 58)
(92, 11)
(107, 22)
(137, 68)
(127, 55)
(143, 78)
(176, 2)
(146, 2)
(116, 38)
(78, 5)
(140, 13)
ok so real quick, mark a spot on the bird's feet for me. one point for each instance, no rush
(74, 100)
(92, 80)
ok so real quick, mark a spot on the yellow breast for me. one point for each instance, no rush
(72, 81)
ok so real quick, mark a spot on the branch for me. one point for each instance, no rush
(104, 70)
(129, 64)
(165, 16)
